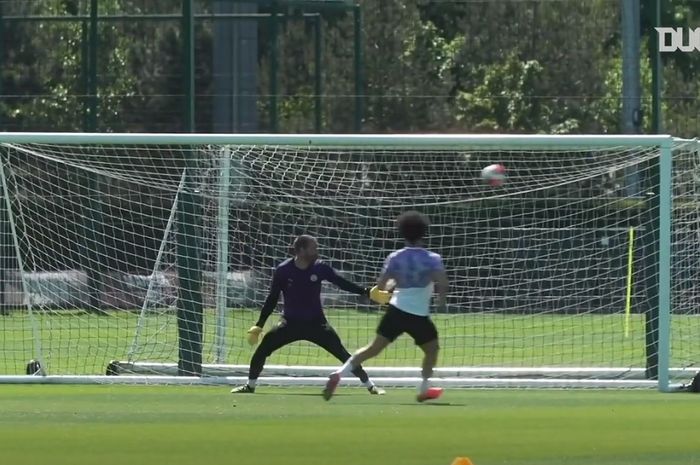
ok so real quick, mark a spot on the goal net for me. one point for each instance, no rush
(122, 255)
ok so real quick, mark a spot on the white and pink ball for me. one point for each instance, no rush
(494, 175)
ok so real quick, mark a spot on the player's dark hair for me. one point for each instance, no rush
(302, 242)
(413, 226)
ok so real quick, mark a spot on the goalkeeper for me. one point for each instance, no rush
(299, 279)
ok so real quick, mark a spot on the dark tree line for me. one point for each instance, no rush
(497, 66)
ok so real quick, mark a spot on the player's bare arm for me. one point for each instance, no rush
(384, 281)
(442, 285)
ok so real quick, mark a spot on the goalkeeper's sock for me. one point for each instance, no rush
(346, 369)
(368, 384)
(252, 382)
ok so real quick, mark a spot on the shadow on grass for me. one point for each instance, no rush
(433, 404)
(309, 394)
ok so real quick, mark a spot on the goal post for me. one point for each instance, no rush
(569, 274)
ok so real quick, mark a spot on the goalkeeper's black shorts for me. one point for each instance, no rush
(319, 332)
(395, 322)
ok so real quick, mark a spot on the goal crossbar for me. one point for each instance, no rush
(350, 140)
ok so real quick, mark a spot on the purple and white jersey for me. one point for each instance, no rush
(412, 268)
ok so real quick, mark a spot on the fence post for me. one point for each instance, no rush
(189, 304)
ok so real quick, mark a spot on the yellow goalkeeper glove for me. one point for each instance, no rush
(254, 334)
(379, 296)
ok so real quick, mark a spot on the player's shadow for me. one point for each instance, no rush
(433, 404)
(308, 394)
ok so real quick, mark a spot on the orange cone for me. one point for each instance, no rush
(462, 461)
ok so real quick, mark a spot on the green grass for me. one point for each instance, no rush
(77, 425)
(81, 343)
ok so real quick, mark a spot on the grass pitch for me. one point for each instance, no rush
(75, 342)
(55, 425)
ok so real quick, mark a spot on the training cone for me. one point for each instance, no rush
(462, 461)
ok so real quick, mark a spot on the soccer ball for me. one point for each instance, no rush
(494, 174)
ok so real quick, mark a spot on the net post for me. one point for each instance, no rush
(159, 258)
(92, 206)
(36, 331)
(5, 254)
(5, 245)
(222, 254)
(652, 314)
(664, 270)
(650, 248)
(189, 306)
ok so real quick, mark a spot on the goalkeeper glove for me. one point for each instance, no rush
(379, 296)
(254, 334)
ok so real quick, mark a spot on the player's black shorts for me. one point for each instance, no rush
(395, 322)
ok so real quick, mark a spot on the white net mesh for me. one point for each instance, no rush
(685, 273)
(555, 269)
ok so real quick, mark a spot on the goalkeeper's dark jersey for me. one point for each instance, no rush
(302, 290)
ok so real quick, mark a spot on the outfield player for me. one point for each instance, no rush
(299, 280)
(416, 272)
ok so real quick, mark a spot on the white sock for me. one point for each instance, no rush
(346, 369)
(424, 385)
(252, 382)
(368, 384)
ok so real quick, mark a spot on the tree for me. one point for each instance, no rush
(507, 101)
(406, 62)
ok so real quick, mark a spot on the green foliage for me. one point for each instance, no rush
(408, 68)
(435, 66)
(47, 74)
(607, 109)
(507, 100)
(48, 67)
(43, 71)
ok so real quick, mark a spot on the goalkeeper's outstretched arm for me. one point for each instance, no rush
(270, 302)
(346, 285)
(374, 293)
